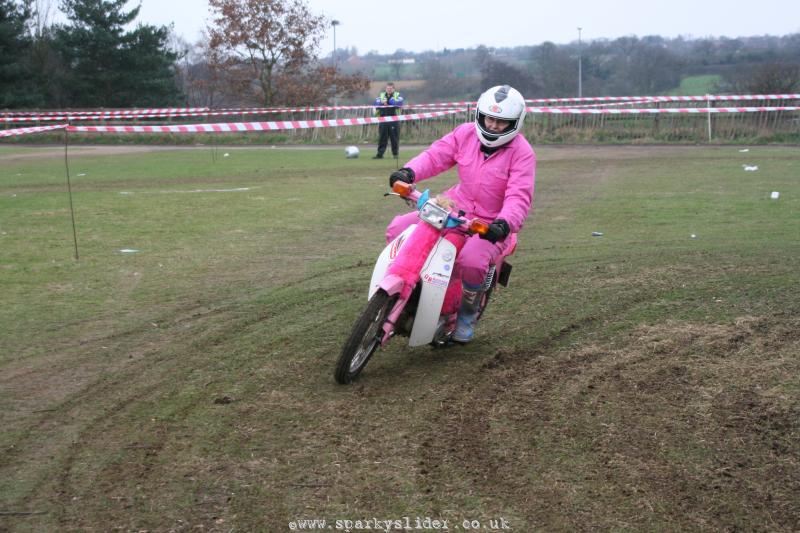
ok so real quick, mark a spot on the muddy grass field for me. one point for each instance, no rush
(179, 375)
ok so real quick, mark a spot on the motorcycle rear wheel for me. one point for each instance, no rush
(365, 337)
(485, 298)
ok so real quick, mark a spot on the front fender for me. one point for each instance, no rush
(435, 277)
(386, 258)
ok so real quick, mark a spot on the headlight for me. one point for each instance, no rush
(434, 215)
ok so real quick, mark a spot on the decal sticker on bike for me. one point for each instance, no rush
(396, 245)
(427, 278)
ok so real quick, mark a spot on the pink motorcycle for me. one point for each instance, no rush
(411, 292)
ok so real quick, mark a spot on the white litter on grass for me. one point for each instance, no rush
(83, 174)
(750, 168)
(128, 251)
(226, 154)
(744, 150)
(597, 234)
(775, 195)
(693, 236)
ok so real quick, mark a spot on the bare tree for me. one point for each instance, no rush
(272, 38)
(776, 77)
(42, 12)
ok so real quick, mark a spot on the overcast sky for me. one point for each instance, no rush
(418, 25)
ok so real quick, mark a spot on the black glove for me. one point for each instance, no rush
(498, 230)
(404, 174)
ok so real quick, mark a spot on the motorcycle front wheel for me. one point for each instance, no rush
(364, 338)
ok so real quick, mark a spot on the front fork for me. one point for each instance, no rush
(390, 325)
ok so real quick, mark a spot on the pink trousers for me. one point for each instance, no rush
(473, 261)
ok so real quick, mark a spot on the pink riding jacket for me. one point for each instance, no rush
(500, 186)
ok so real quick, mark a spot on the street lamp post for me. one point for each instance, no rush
(580, 76)
(335, 23)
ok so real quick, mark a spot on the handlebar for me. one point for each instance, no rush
(408, 192)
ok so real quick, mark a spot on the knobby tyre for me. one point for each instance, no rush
(364, 338)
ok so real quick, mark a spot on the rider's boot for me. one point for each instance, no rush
(468, 312)
(444, 330)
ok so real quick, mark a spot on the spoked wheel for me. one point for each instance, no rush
(365, 337)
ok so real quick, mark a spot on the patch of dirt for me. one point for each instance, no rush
(684, 425)
(58, 151)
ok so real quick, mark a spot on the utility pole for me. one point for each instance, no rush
(335, 23)
(580, 75)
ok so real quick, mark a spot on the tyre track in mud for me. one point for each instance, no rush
(551, 397)
(97, 422)
(90, 415)
(19, 374)
(463, 424)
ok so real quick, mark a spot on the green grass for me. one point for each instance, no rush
(696, 85)
(641, 380)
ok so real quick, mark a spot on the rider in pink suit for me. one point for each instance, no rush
(496, 169)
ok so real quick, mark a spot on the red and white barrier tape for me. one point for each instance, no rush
(26, 131)
(723, 98)
(673, 110)
(47, 118)
(438, 106)
(305, 124)
(136, 116)
(106, 112)
(609, 104)
(259, 110)
(704, 98)
(258, 126)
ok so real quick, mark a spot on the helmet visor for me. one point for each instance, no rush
(491, 134)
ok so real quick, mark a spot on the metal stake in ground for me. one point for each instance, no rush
(69, 189)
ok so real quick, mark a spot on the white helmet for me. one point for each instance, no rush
(502, 102)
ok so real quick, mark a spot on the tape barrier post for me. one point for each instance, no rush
(708, 103)
(69, 191)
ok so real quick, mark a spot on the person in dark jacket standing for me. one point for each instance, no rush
(386, 105)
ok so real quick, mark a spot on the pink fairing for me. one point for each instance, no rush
(500, 186)
(409, 262)
(452, 298)
(392, 284)
(474, 257)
